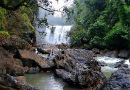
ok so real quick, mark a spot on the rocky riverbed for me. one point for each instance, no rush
(77, 67)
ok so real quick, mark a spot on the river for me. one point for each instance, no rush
(58, 35)
(47, 81)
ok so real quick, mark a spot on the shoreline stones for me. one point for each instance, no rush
(119, 80)
(8, 82)
(32, 59)
(77, 66)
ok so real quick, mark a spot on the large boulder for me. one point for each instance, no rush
(77, 66)
(47, 48)
(10, 65)
(31, 59)
(119, 80)
(8, 82)
(123, 54)
(13, 43)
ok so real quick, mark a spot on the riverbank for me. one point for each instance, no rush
(71, 65)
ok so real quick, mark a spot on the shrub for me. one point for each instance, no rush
(77, 37)
(117, 37)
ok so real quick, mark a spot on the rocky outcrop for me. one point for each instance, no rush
(121, 64)
(31, 59)
(10, 65)
(14, 42)
(77, 67)
(47, 48)
(8, 82)
(33, 70)
(108, 53)
(63, 46)
(123, 54)
(119, 80)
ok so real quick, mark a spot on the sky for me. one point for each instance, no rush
(59, 5)
(57, 18)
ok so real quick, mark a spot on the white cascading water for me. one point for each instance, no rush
(58, 36)
(60, 27)
(109, 69)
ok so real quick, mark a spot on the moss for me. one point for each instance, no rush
(4, 35)
(28, 22)
(2, 18)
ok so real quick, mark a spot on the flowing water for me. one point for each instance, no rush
(58, 35)
(47, 81)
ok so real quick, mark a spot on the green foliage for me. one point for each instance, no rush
(77, 36)
(97, 42)
(2, 18)
(27, 22)
(117, 37)
(105, 23)
(4, 35)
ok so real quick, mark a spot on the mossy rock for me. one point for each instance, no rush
(3, 36)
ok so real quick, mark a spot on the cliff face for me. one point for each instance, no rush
(18, 24)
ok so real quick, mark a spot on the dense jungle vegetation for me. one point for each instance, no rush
(101, 24)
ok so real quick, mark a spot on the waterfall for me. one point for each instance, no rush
(58, 33)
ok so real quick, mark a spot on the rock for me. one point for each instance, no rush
(63, 46)
(32, 59)
(17, 70)
(10, 65)
(77, 66)
(33, 70)
(67, 76)
(121, 64)
(123, 54)
(119, 80)
(15, 84)
(102, 64)
(113, 54)
(2, 87)
(96, 51)
(14, 43)
(47, 48)
(21, 78)
(43, 51)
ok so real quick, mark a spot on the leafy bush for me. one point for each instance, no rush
(97, 42)
(78, 37)
(97, 29)
(117, 37)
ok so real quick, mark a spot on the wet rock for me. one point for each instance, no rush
(121, 64)
(113, 54)
(47, 48)
(123, 54)
(102, 64)
(33, 70)
(119, 80)
(43, 51)
(63, 46)
(96, 51)
(12, 83)
(30, 57)
(77, 66)
(67, 76)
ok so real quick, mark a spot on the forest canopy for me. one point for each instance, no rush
(101, 24)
